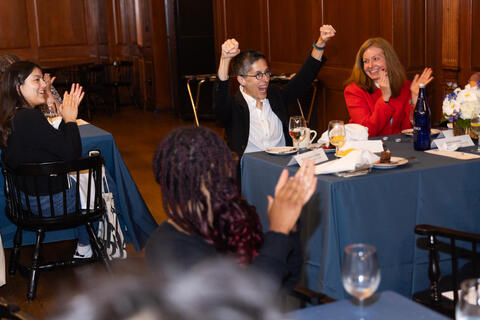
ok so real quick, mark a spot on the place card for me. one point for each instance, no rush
(454, 154)
(452, 143)
(370, 145)
(317, 155)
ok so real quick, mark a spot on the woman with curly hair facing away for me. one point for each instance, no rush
(378, 94)
(207, 216)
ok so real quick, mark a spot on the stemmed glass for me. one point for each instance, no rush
(360, 272)
(468, 305)
(297, 129)
(475, 128)
(336, 134)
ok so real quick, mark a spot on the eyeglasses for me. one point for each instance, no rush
(259, 75)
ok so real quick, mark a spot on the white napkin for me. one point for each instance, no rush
(84, 189)
(355, 160)
(55, 122)
(353, 132)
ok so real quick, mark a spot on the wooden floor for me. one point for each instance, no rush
(137, 134)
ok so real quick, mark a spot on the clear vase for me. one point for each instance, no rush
(460, 131)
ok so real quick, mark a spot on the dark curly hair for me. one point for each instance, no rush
(197, 175)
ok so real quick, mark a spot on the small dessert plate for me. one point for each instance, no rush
(394, 162)
(409, 132)
(281, 151)
(317, 145)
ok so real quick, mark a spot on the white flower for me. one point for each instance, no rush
(448, 107)
(469, 110)
(466, 101)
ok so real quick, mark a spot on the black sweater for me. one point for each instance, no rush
(233, 113)
(280, 257)
(34, 140)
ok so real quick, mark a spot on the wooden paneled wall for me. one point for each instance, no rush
(435, 33)
(52, 32)
(65, 32)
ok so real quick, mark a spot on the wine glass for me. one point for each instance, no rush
(360, 271)
(49, 110)
(475, 131)
(297, 129)
(336, 134)
(468, 305)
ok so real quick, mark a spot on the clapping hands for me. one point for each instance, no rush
(71, 101)
(425, 78)
(291, 193)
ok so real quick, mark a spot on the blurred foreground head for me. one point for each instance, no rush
(214, 290)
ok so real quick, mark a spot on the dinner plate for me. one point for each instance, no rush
(281, 151)
(409, 132)
(394, 162)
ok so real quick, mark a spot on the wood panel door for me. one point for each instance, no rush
(49, 32)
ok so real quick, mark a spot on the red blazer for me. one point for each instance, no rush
(371, 111)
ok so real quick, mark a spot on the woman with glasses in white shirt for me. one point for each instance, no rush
(256, 117)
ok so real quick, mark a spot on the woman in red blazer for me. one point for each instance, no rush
(378, 94)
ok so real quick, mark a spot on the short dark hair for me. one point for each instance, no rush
(242, 62)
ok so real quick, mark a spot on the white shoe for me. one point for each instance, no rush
(83, 252)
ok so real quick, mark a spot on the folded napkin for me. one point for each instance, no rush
(55, 122)
(353, 132)
(355, 160)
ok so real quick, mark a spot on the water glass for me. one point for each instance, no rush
(360, 272)
(468, 305)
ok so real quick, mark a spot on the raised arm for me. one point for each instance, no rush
(326, 33)
(230, 49)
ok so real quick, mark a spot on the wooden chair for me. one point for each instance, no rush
(24, 193)
(120, 74)
(433, 296)
(93, 80)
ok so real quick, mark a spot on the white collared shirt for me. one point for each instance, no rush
(266, 129)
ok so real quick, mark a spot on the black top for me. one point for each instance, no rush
(34, 140)
(233, 112)
(280, 257)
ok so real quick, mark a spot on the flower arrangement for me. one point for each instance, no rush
(461, 106)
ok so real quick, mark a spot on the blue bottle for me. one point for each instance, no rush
(421, 126)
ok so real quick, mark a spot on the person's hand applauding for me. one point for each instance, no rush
(291, 194)
(71, 101)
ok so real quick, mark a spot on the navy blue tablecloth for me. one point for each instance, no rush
(381, 208)
(387, 305)
(137, 221)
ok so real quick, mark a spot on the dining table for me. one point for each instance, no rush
(380, 208)
(135, 218)
(385, 305)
